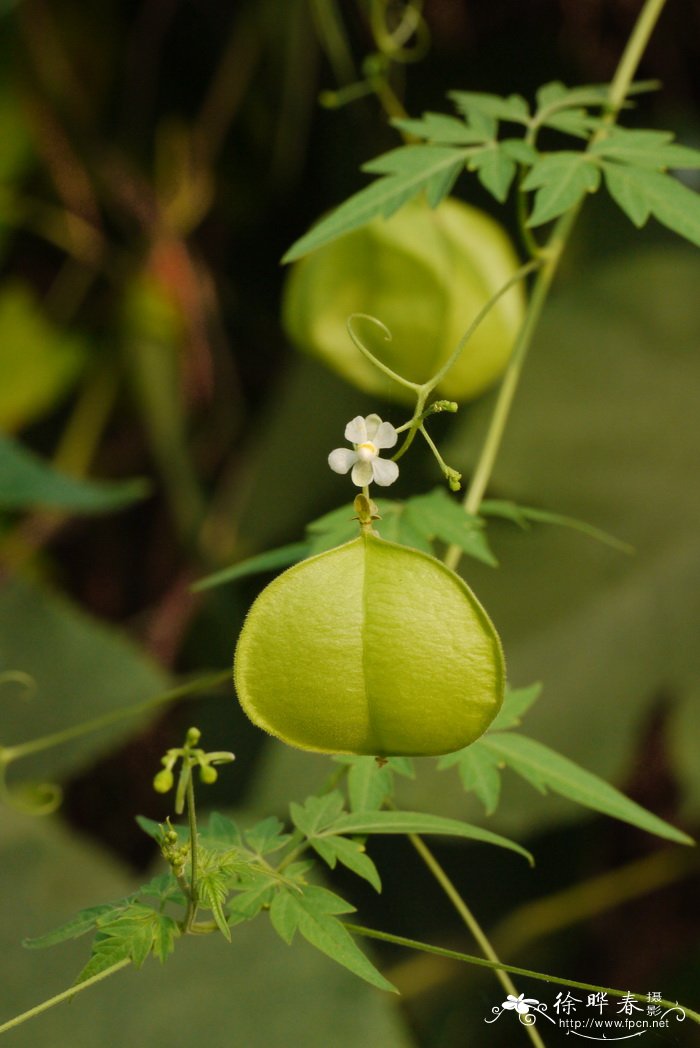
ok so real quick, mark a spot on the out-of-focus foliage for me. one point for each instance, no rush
(157, 160)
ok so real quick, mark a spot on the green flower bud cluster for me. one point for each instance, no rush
(192, 757)
(175, 855)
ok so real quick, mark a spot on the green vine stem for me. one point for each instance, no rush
(10, 754)
(481, 962)
(472, 924)
(65, 995)
(192, 895)
(550, 255)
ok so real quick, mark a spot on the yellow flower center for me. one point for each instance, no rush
(367, 451)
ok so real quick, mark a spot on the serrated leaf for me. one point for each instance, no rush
(513, 108)
(519, 150)
(479, 772)
(440, 129)
(221, 832)
(28, 482)
(313, 914)
(392, 822)
(437, 515)
(163, 887)
(515, 704)
(669, 201)
(131, 931)
(645, 148)
(561, 179)
(317, 812)
(540, 765)
(248, 903)
(107, 952)
(557, 94)
(627, 194)
(495, 170)
(351, 854)
(271, 560)
(212, 890)
(284, 916)
(406, 533)
(575, 122)
(165, 932)
(266, 836)
(83, 922)
(413, 169)
(369, 785)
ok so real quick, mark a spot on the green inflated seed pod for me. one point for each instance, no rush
(370, 648)
(424, 273)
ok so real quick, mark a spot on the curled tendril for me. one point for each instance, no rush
(369, 355)
(410, 24)
(30, 798)
(26, 683)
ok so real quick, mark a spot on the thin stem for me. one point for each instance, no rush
(24, 749)
(631, 56)
(519, 275)
(471, 922)
(66, 995)
(551, 254)
(480, 962)
(194, 856)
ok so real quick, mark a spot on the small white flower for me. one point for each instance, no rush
(369, 436)
(520, 1004)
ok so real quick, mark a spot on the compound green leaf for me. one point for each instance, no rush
(479, 771)
(546, 769)
(440, 129)
(411, 170)
(313, 913)
(561, 180)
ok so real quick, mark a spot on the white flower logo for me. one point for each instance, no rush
(520, 1004)
(369, 436)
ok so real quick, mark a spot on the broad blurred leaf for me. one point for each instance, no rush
(222, 990)
(28, 482)
(38, 361)
(82, 669)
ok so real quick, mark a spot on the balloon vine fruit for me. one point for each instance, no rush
(370, 648)
(425, 273)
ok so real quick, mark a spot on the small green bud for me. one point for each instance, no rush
(208, 774)
(454, 479)
(193, 737)
(163, 781)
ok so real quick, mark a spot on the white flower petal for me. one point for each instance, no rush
(362, 474)
(356, 430)
(372, 423)
(385, 471)
(385, 437)
(342, 459)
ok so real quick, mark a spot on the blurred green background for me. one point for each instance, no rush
(157, 159)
